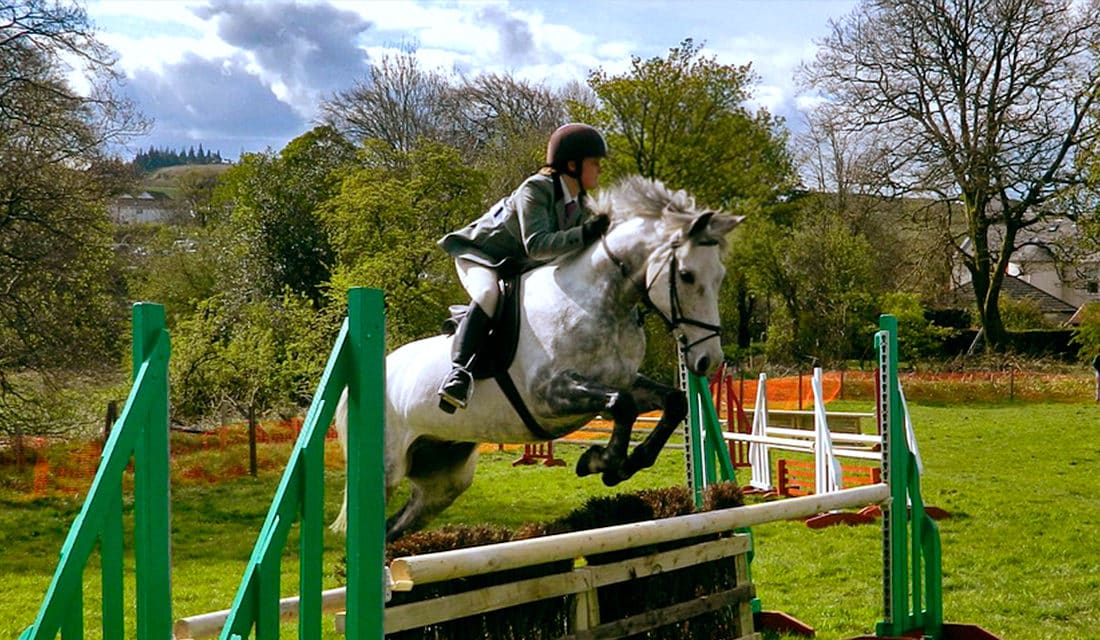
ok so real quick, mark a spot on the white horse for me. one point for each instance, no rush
(579, 350)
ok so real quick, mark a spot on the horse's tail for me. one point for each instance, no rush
(340, 524)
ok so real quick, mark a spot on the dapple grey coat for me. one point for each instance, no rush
(522, 231)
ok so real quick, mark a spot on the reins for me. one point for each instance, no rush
(675, 308)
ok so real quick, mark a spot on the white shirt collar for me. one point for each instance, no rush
(566, 196)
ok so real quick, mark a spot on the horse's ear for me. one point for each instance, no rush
(723, 223)
(699, 225)
(713, 225)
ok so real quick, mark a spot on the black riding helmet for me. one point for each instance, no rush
(574, 142)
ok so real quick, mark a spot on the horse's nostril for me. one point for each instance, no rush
(702, 365)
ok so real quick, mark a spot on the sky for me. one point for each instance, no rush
(240, 76)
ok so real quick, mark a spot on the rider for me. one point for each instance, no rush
(546, 217)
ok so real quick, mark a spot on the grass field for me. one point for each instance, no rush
(1021, 555)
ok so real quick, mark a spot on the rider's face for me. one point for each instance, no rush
(590, 173)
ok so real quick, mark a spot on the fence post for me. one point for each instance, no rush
(366, 442)
(152, 540)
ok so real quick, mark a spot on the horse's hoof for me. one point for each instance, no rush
(611, 477)
(586, 464)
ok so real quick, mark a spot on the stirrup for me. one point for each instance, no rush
(459, 377)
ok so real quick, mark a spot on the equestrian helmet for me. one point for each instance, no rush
(574, 142)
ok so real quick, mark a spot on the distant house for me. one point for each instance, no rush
(1045, 268)
(147, 206)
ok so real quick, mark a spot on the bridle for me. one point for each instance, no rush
(676, 317)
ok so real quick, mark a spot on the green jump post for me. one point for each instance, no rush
(357, 362)
(912, 589)
(366, 535)
(141, 430)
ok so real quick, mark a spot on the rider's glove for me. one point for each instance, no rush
(595, 228)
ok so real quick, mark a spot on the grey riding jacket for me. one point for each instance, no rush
(523, 230)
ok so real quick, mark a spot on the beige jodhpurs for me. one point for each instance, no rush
(481, 283)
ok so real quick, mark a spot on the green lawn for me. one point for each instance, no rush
(1020, 553)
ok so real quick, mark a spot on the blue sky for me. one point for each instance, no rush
(243, 76)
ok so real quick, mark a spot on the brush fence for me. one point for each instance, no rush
(590, 562)
(584, 565)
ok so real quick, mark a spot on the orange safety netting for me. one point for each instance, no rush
(791, 393)
(68, 468)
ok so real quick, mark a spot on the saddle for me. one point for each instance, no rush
(499, 348)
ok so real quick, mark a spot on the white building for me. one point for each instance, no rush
(145, 207)
(1047, 267)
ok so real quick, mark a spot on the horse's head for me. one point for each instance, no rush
(683, 265)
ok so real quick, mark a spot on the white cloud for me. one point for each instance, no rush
(322, 49)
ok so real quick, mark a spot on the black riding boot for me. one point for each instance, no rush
(454, 393)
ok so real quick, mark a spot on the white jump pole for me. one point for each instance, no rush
(759, 453)
(910, 435)
(208, 625)
(826, 467)
(447, 565)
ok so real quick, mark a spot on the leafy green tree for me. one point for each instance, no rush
(1087, 334)
(822, 275)
(195, 194)
(1022, 314)
(272, 238)
(174, 266)
(384, 225)
(59, 304)
(259, 356)
(918, 338)
(682, 119)
(984, 104)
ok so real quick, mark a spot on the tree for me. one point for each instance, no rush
(500, 122)
(398, 103)
(384, 225)
(682, 119)
(59, 307)
(1087, 334)
(257, 356)
(982, 104)
(272, 239)
(846, 169)
(195, 193)
(821, 271)
(504, 124)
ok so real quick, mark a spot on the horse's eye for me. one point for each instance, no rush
(687, 277)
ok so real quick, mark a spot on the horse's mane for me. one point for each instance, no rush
(638, 197)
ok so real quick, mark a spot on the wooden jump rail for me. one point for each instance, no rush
(459, 563)
(413, 571)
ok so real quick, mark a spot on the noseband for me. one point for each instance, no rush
(676, 317)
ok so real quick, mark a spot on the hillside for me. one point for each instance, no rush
(167, 176)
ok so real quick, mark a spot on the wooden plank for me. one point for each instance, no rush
(658, 618)
(446, 565)
(419, 614)
(741, 570)
(586, 610)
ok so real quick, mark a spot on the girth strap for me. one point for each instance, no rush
(510, 392)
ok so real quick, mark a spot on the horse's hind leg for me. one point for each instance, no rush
(652, 395)
(439, 471)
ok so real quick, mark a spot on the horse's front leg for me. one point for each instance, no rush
(569, 393)
(651, 395)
